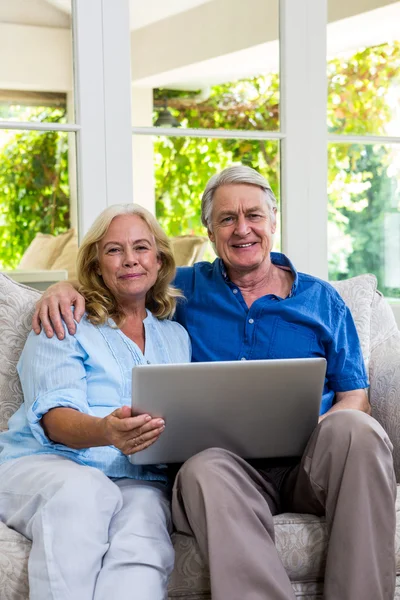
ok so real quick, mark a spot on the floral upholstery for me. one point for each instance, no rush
(301, 539)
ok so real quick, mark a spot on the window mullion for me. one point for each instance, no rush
(304, 148)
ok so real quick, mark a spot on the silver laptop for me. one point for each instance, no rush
(255, 408)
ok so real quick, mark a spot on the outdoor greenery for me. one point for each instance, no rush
(363, 180)
(34, 189)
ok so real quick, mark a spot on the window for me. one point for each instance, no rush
(363, 151)
(206, 80)
(37, 144)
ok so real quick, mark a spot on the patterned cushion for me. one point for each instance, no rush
(301, 541)
(17, 304)
(358, 293)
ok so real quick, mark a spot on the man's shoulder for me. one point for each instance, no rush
(186, 276)
(314, 285)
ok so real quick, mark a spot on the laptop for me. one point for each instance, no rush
(255, 408)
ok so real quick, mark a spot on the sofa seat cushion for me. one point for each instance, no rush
(301, 541)
(17, 303)
(14, 552)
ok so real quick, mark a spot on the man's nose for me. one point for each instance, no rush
(242, 226)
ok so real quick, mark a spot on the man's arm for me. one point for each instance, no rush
(355, 399)
(54, 305)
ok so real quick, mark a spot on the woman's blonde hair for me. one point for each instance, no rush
(100, 302)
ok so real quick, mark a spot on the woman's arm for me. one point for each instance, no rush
(53, 378)
(78, 430)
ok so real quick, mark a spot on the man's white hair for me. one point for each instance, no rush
(237, 174)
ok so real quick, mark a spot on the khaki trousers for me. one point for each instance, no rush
(346, 474)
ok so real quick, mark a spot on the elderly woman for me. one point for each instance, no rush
(99, 525)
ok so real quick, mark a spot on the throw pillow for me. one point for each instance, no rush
(44, 249)
(17, 303)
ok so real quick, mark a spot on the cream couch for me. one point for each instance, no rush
(301, 539)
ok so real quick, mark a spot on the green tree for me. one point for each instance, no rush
(34, 187)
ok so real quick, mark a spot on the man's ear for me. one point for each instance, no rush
(211, 236)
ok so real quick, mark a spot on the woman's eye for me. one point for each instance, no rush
(112, 250)
(141, 248)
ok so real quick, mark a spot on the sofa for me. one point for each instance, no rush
(301, 539)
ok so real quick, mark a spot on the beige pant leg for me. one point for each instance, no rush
(347, 473)
(227, 505)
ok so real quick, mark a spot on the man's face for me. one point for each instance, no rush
(242, 226)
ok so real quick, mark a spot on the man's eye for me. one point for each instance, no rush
(226, 220)
(254, 216)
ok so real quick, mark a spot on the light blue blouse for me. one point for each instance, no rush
(91, 372)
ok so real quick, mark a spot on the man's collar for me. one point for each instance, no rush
(278, 259)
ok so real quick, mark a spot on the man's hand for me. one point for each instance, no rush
(131, 434)
(54, 305)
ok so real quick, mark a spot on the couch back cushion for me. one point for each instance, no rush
(67, 258)
(17, 303)
(44, 250)
(358, 293)
(188, 249)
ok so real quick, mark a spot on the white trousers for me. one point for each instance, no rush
(93, 538)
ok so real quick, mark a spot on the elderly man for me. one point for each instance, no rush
(253, 304)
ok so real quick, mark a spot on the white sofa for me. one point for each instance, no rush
(301, 539)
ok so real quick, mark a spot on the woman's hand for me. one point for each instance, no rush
(131, 434)
(54, 305)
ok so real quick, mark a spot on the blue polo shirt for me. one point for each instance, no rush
(312, 321)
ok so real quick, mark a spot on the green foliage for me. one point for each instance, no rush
(34, 188)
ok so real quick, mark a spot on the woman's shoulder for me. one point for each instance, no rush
(169, 327)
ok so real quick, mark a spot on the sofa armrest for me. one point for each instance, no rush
(384, 373)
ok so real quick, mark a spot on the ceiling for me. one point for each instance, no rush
(57, 13)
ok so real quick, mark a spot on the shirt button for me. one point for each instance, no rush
(251, 321)
(243, 358)
(235, 291)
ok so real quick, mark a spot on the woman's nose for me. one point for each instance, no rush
(130, 258)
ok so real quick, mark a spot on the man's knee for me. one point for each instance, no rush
(355, 430)
(202, 466)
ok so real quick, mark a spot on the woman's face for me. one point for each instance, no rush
(128, 261)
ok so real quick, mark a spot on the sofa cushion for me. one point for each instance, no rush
(67, 258)
(17, 304)
(301, 541)
(358, 293)
(14, 553)
(44, 249)
(188, 249)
